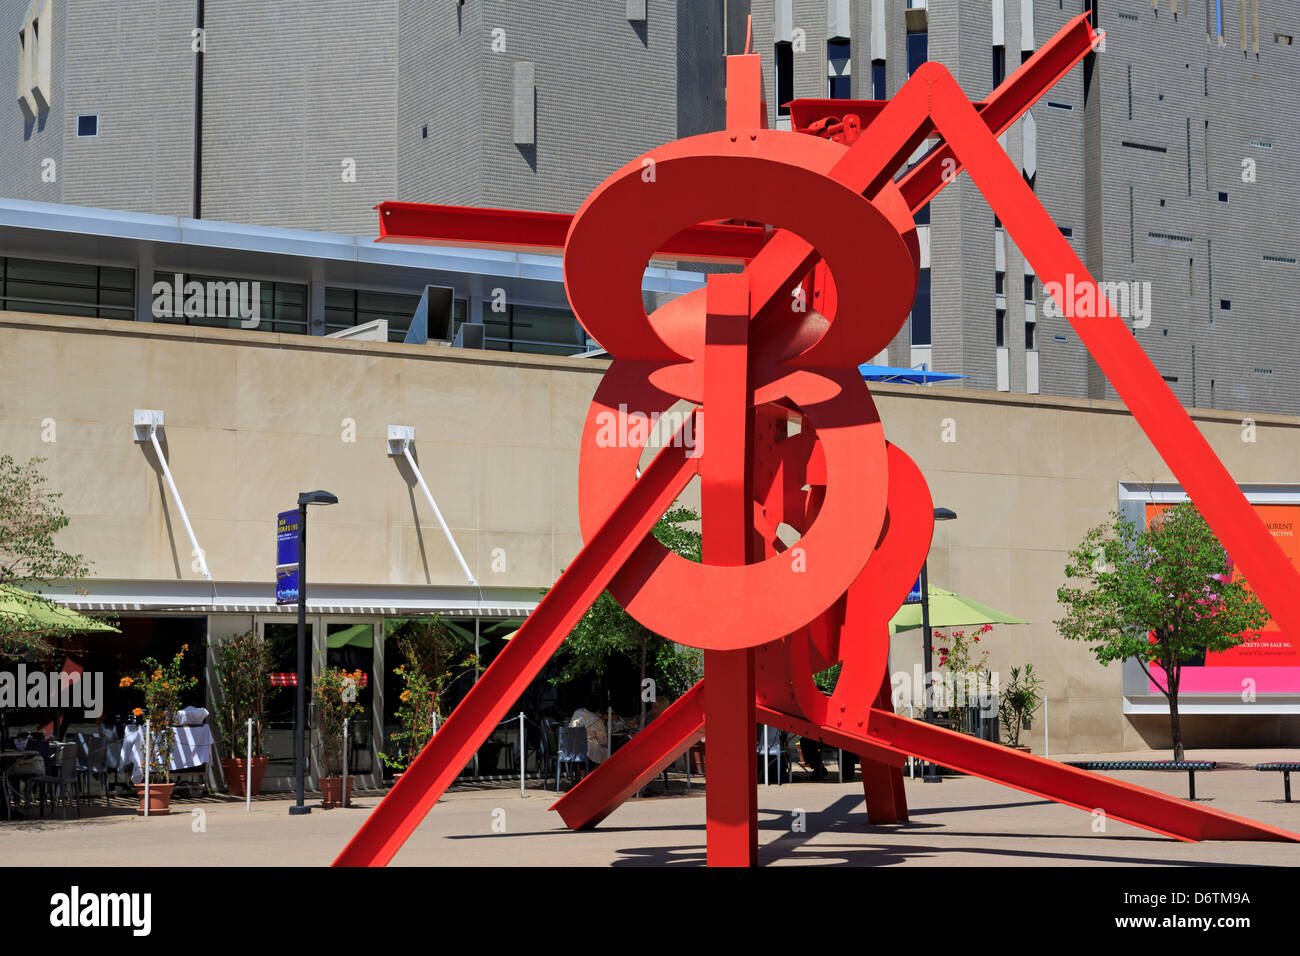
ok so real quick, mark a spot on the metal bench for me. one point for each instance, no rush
(1284, 769)
(1189, 766)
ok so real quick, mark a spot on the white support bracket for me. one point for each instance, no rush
(147, 423)
(399, 444)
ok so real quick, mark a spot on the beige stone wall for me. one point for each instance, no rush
(253, 418)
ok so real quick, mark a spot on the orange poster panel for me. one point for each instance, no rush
(1272, 648)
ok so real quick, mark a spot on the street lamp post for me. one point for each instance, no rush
(930, 773)
(300, 720)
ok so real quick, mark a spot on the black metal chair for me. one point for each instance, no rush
(92, 763)
(59, 780)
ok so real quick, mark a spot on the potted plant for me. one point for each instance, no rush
(244, 673)
(162, 687)
(334, 700)
(433, 656)
(1020, 699)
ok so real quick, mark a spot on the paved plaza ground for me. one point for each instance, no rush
(962, 821)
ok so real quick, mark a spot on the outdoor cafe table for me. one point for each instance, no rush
(191, 747)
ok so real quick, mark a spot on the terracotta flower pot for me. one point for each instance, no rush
(233, 770)
(160, 798)
(696, 754)
(331, 791)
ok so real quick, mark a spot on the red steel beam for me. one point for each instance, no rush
(525, 230)
(487, 702)
(636, 763)
(1126, 802)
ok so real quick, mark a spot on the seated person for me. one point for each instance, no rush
(597, 733)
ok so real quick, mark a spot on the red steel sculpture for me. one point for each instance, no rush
(784, 430)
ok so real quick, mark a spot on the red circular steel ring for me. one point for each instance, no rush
(726, 608)
(758, 175)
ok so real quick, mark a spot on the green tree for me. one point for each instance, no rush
(29, 558)
(607, 631)
(1162, 595)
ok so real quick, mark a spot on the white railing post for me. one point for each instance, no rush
(147, 761)
(344, 797)
(248, 771)
(523, 754)
(1047, 746)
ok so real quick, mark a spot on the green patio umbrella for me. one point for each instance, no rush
(358, 635)
(949, 610)
(36, 612)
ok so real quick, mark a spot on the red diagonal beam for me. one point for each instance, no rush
(488, 701)
(636, 763)
(1126, 802)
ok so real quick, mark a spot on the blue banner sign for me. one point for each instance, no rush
(286, 557)
(914, 596)
(286, 585)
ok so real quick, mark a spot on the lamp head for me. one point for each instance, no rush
(317, 498)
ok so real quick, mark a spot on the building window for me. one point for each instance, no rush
(1067, 231)
(1029, 288)
(999, 65)
(1225, 305)
(879, 90)
(1223, 197)
(1000, 283)
(345, 308)
(921, 310)
(88, 124)
(526, 328)
(1000, 332)
(918, 50)
(837, 70)
(784, 78)
(67, 288)
(923, 215)
(1029, 336)
(221, 301)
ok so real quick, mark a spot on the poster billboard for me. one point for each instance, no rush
(1271, 663)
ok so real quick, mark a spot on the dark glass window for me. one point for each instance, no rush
(88, 125)
(67, 288)
(878, 88)
(918, 50)
(921, 310)
(923, 215)
(999, 65)
(1029, 336)
(1029, 288)
(784, 78)
(838, 80)
(1000, 283)
(534, 329)
(276, 306)
(1000, 333)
